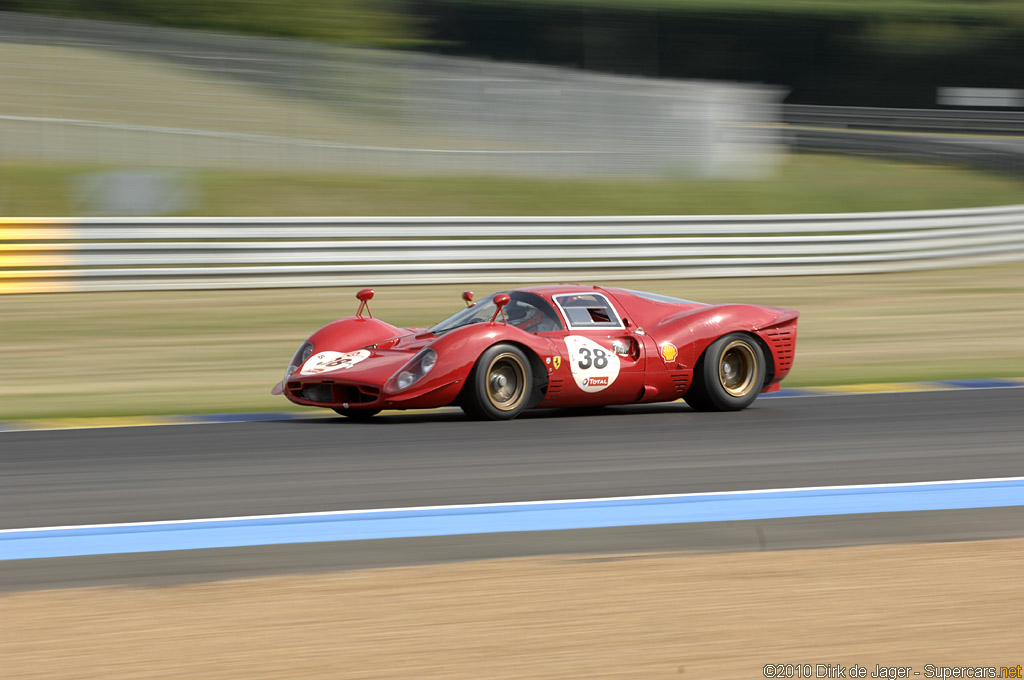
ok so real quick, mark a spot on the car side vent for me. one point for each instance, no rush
(554, 388)
(681, 381)
(783, 339)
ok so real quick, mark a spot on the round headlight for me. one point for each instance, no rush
(301, 354)
(405, 378)
(428, 360)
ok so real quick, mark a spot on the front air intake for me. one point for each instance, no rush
(319, 393)
(334, 393)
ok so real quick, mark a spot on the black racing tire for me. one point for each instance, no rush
(500, 384)
(360, 414)
(729, 375)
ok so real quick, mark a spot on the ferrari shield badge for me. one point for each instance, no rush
(556, 361)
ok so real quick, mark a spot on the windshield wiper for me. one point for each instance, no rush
(461, 325)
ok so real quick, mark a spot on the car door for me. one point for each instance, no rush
(601, 360)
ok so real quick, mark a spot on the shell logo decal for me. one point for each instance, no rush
(669, 351)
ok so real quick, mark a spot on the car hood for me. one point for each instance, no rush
(363, 367)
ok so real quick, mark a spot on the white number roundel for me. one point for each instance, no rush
(332, 361)
(594, 367)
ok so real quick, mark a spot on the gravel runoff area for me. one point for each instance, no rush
(634, 616)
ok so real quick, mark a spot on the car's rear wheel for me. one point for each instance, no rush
(729, 375)
(361, 414)
(500, 384)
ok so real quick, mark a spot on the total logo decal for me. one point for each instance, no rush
(332, 361)
(594, 367)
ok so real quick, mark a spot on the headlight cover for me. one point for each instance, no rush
(412, 372)
(303, 353)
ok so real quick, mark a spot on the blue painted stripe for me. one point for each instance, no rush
(510, 517)
(791, 392)
(251, 417)
(976, 384)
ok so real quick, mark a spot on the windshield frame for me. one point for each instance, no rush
(464, 317)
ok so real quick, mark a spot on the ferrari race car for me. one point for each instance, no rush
(544, 347)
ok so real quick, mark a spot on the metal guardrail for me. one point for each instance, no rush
(1001, 154)
(103, 254)
(989, 140)
(973, 121)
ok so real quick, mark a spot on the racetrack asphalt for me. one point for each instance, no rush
(65, 477)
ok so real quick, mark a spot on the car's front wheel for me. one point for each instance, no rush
(499, 385)
(729, 376)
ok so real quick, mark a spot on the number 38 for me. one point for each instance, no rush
(598, 358)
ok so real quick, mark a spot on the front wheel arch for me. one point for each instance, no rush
(474, 398)
(540, 374)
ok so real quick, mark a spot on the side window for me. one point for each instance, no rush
(588, 310)
(531, 313)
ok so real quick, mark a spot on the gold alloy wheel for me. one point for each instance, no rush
(737, 368)
(506, 381)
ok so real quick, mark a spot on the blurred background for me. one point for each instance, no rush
(192, 108)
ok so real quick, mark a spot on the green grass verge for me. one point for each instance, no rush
(361, 22)
(220, 351)
(805, 183)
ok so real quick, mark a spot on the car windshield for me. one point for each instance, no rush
(527, 311)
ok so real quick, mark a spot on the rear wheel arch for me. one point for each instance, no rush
(769, 358)
(711, 390)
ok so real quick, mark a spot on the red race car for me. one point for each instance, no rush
(547, 346)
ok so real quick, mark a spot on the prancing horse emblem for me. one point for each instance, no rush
(556, 362)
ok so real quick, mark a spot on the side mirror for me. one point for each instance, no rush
(468, 298)
(364, 296)
(500, 300)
